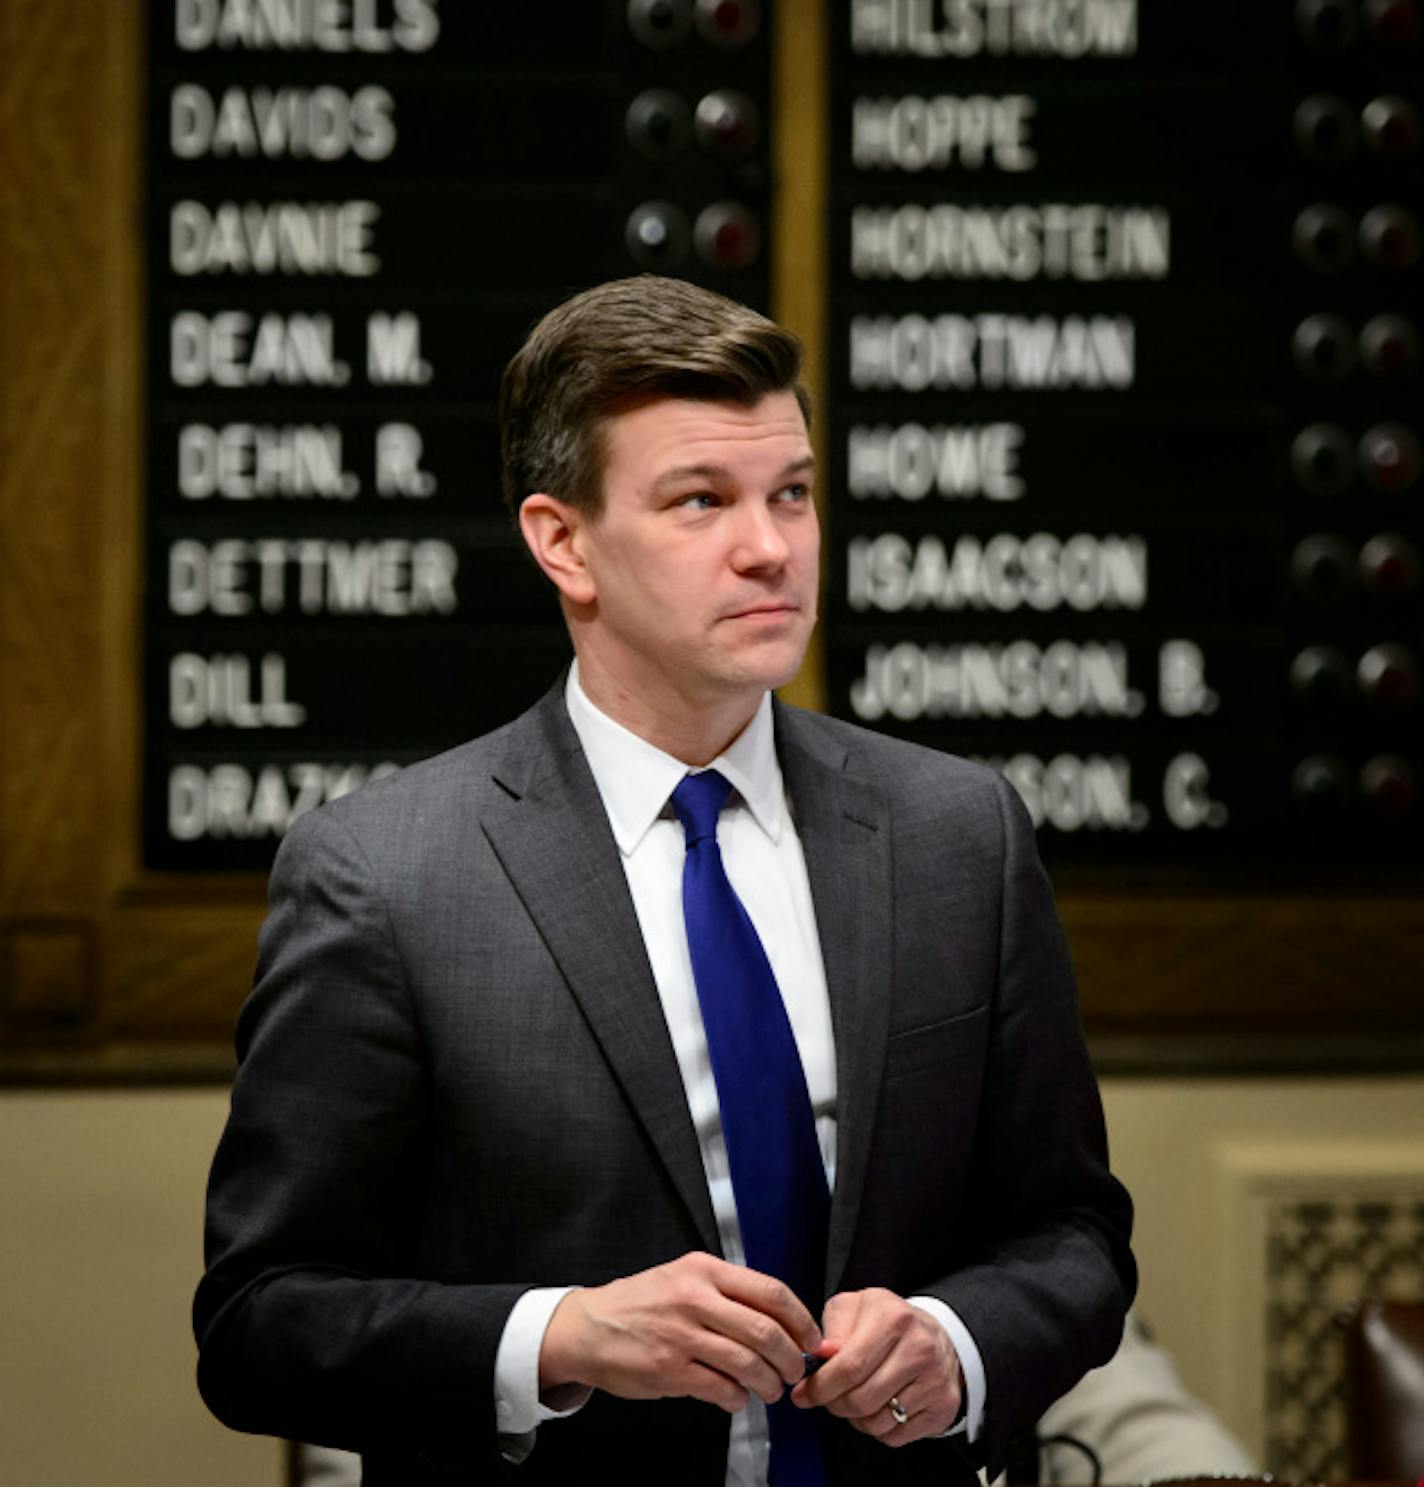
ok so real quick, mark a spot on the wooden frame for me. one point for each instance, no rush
(108, 972)
(105, 971)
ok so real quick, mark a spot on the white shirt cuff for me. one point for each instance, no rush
(970, 1363)
(518, 1410)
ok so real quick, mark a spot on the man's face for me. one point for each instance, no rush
(703, 562)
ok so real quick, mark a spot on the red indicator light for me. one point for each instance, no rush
(726, 122)
(1389, 457)
(1389, 237)
(1389, 346)
(1389, 677)
(1389, 566)
(728, 22)
(1389, 783)
(1393, 22)
(1391, 125)
(730, 241)
(727, 236)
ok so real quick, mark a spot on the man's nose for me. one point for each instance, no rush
(760, 541)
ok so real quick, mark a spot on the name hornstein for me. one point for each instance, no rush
(1088, 243)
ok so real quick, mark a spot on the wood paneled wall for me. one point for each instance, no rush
(110, 972)
(103, 969)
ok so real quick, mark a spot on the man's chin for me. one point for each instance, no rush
(773, 665)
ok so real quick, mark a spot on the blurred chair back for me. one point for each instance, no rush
(1385, 1352)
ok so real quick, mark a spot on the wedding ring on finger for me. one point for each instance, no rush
(898, 1410)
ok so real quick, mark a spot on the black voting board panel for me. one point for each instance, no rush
(356, 209)
(1125, 416)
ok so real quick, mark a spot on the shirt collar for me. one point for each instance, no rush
(635, 778)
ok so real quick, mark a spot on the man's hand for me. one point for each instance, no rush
(880, 1347)
(697, 1327)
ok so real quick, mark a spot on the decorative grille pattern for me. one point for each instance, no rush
(1323, 1257)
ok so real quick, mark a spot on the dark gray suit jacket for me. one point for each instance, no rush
(456, 1083)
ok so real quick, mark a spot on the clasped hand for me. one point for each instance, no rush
(881, 1348)
(702, 1328)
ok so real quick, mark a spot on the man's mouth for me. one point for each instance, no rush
(770, 610)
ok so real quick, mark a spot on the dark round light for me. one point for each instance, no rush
(1393, 22)
(1325, 129)
(1320, 782)
(657, 124)
(1389, 783)
(1389, 346)
(1391, 125)
(659, 23)
(1321, 675)
(1327, 25)
(1323, 348)
(1323, 459)
(1323, 568)
(1389, 676)
(1389, 237)
(1324, 238)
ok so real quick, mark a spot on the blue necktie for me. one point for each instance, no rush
(778, 1178)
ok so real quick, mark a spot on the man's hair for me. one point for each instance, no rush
(613, 347)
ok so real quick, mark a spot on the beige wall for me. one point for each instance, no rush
(1203, 1160)
(100, 1245)
(100, 1228)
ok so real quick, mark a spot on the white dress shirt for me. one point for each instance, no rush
(762, 855)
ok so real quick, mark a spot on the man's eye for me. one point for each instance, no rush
(699, 501)
(794, 492)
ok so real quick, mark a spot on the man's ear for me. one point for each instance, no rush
(553, 529)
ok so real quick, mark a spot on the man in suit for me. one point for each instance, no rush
(522, 1180)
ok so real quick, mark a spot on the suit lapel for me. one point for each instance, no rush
(844, 827)
(554, 841)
